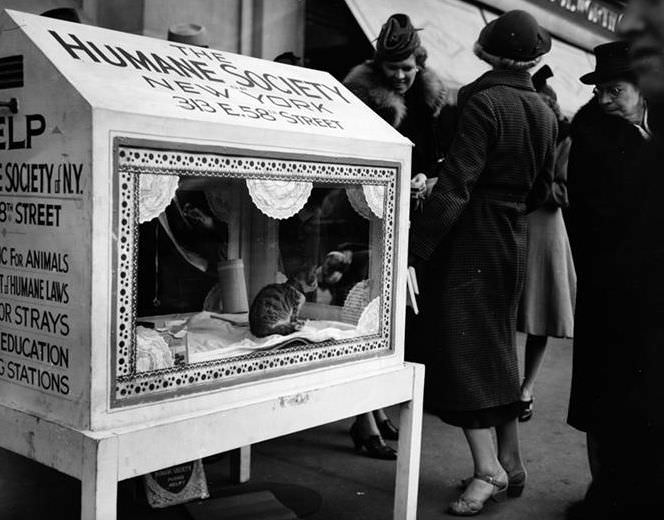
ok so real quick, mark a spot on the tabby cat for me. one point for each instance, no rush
(276, 307)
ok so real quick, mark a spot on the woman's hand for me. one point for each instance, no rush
(418, 185)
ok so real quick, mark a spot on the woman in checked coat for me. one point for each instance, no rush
(473, 232)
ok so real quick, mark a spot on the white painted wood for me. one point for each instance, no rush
(80, 433)
(241, 464)
(145, 448)
(88, 406)
(408, 458)
(343, 115)
(99, 480)
(49, 443)
(101, 459)
(66, 122)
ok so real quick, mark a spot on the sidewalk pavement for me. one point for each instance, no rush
(317, 475)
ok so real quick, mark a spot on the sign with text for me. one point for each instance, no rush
(44, 241)
(136, 74)
(593, 14)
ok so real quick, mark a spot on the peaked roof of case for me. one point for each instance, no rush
(134, 74)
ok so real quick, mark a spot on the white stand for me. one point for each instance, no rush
(101, 459)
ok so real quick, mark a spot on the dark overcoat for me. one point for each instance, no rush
(632, 427)
(473, 230)
(606, 188)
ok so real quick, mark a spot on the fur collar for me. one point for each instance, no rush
(366, 82)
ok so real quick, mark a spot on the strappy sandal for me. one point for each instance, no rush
(516, 483)
(467, 506)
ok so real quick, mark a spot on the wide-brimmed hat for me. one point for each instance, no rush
(189, 33)
(515, 35)
(398, 39)
(611, 62)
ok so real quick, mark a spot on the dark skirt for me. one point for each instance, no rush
(484, 418)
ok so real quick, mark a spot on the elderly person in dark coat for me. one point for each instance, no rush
(631, 429)
(473, 230)
(605, 186)
(398, 86)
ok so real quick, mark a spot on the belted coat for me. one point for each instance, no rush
(473, 232)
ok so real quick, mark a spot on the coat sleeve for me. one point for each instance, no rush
(467, 157)
(542, 191)
(560, 181)
(581, 168)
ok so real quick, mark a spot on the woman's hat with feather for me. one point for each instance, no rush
(397, 40)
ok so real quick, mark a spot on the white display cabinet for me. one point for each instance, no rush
(149, 193)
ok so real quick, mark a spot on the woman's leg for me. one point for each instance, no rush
(489, 475)
(366, 425)
(385, 426)
(535, 347)
(509, 452)
(366, 437)
(380, 415)
(485, 459)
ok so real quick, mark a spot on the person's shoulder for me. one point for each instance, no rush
(366, 82)
(591, 120)
(434, 91)
(363, 75)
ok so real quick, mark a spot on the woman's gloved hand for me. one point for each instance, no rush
(418, 185)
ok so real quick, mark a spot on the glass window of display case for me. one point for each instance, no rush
(230, 267)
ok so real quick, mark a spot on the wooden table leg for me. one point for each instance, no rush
(241, 464)
(408, 460)
(99, 482)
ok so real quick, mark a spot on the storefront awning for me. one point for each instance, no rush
(449, 31)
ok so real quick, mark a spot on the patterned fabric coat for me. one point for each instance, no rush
(473, 230)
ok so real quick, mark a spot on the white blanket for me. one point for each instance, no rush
(213, 338)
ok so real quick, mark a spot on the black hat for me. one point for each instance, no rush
(612, 62)
(288, 58)
(515, 35)
(68, 14)
(397, 40)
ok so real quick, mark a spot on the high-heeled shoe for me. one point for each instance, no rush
(526, 412)
(516, 483)
(469, 506)
(373, 444)
(388, 430)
